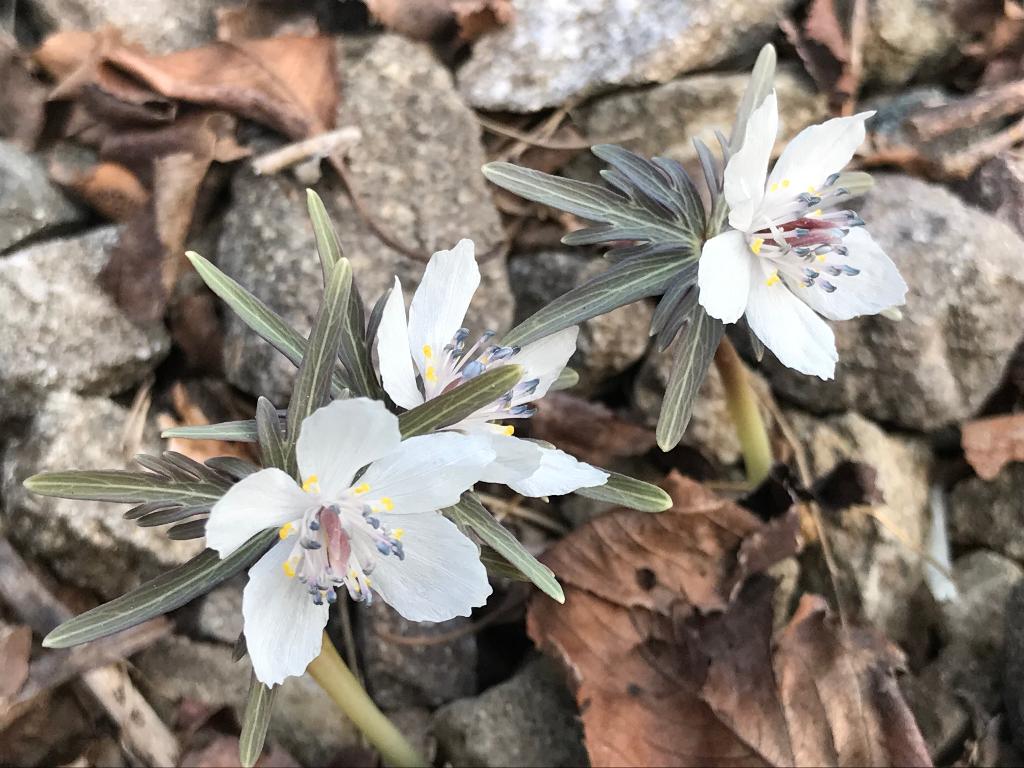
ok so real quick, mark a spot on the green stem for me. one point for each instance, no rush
(341, 685)
(746, 416)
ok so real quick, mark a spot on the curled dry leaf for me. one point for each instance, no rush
(186, 401)
(823, 46)
(990, 444)
(606, 437)
(15, 649)
(441, 19)
(667, 634)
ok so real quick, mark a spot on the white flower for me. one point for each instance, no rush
(428, 355)
(790, 255)
(378, 532)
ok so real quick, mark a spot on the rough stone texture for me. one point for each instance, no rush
(990, 513)
(29, 203)
(417, 170)
(414, 675)
(417, 725)
(88, 543)
(998, 187)
(554, 52)
(940, 715)
(530, 719)
(608, 344)
(159, 27)
(305, 722)
(220, 613)
(984, 581)
(961, 323)
(667, 118)
(1013, 670)
(875, 563)
(710, 430)
(61, 331)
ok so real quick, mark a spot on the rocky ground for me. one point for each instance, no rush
(86, 384)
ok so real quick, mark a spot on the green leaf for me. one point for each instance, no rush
(124, 487)
(258, 709)
(629, 492)
(231, 431)
(158, 596)
(621, 284)
(327, 244)
(471, 513)
(567, 379)
(695, 349)
(498, 566)
(355, 349)
(458, 403)
(262, 319)
(314, 379)
(268, 428)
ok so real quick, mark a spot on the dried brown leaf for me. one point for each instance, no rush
(191, 404)
(441, 19)
(667, 633)
(588, 430)
(15, 649)
(990, 444)
(823, 45)
(107, 187)
(22, 97)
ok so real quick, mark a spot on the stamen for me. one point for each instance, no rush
(361, 489)
(428, 352)
(755, 245)
(311, 484)
(773, 279)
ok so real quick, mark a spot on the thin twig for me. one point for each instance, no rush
(542, 132)
(510, 602)
(982, 107)
(536, 141)
(962, 164)
(320, 146)
(515, 509)
(858, 29)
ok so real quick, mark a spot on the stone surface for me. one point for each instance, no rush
(984, 581)
(61, 331)
(401, 675)
(940, 715)
(663, 120)
(88, 543)
(962, 321)
(417, 171)
(710, 430)
(531, 719)
(305, 721)
(554, 52)
(1013, 670)
(158, 26)
(219, 616)
(998, 187)
(877, 560)
(29, 203)
(608, 344)
(990, 513)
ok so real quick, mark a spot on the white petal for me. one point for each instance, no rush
(545, 359)
(746, 170)
(815, 154)
(266, 499)
(440, 303)
(877, 287)
(283, 628)
(558, 473)
(441, 576)
(723, 276)
(789, 328)
(426, 473)
(515, 459)
(339, 438)
(396, 370)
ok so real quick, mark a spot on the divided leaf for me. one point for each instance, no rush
(456, 404)
(629, 492)
(258, 708)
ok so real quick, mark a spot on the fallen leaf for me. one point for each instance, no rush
(109, 188)
(588, 430)
(196, 404)
(823, 46)
(666, 632)
(990, 444)
(22, 97)
(15, 650)
(438, 20)
(264, 19)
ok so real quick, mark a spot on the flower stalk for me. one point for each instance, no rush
(741, 401)
(333, 675)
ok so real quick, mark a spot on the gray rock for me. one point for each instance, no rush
(401, 675)
(530, 719)
(417, 171)
(220, 613)
(664, 120)
(157, 25)
(962, 321)
(875, 546)
(710, 430)
(998, 187)
(88, 543)
(1013, 671)
(984, 581)
(555, 52)
(990, 514)
(940, 715)
(61, 331)
(305, 721)
(30, 203)
(416, 724)
(608, 344)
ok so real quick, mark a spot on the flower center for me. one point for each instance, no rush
(458, 364)
(338, 544)
(803, 237)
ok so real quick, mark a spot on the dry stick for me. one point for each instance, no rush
(962, 164)
(858, 28)
(536, 141)
(144, 734)
(542, 132)
(320, 146)
(524, 513)
(983, 107)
